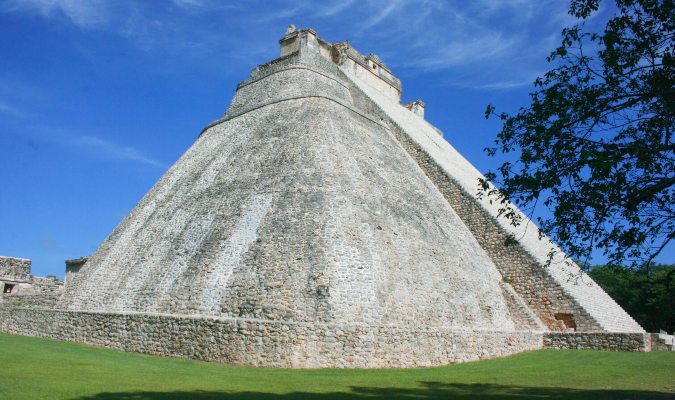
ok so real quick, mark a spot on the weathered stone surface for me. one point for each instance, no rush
(271, 343)
(300, 208)
(14, 269)
(73, 266)
(19, 287)
(614, 341)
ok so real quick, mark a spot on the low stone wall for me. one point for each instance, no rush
(268, 343)
(597, 341)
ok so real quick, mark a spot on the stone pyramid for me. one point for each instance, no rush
(321, 223)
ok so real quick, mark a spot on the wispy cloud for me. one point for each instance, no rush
(490, 44)
(329, 9)
(414, 37)
(496, 85)
(14, 111)
(380, 15)
(83, 13)
(94, 147)
(108, 149)
(206, 5)
(15, 90)
(471, 50)
(278, 14)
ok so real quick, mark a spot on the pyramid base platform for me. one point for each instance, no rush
(294, 344)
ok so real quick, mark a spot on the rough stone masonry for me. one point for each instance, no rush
(321, 223)
(18, 287)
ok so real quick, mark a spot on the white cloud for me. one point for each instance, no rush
(329, 9)
(380, 15)
(83, 13)
(108, 149)
(497, 85)
(277, 14)
(490, 44)
(14, 111)
(465, 52)
(206, 5)
(93, 146)
(413, 37)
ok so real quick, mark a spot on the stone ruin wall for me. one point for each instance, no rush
(14, 269)
(296, 345)
(73, 267)
(636, 342)
(369, 68)
(18, 287)
(42, 292)
(268, 343)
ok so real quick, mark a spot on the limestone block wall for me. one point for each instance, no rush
(368, 70)
(281, 178)
(18, 286)
(275, 87)
(523, 316)
(268, 343)
(38, 292)
(73, 267)
(14, 269)
(44, 291)
(598, 341)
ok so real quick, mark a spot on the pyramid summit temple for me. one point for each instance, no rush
(322, 223)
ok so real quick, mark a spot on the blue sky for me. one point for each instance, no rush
(98, 98)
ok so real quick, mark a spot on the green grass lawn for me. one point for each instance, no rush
(46, 369)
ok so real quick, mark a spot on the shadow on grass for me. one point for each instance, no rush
(428, 390)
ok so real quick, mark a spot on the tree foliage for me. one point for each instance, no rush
(595, 145)
(647, 294)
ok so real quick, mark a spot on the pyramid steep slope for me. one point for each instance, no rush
(296, 207)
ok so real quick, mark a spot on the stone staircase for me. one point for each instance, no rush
(662, 341)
